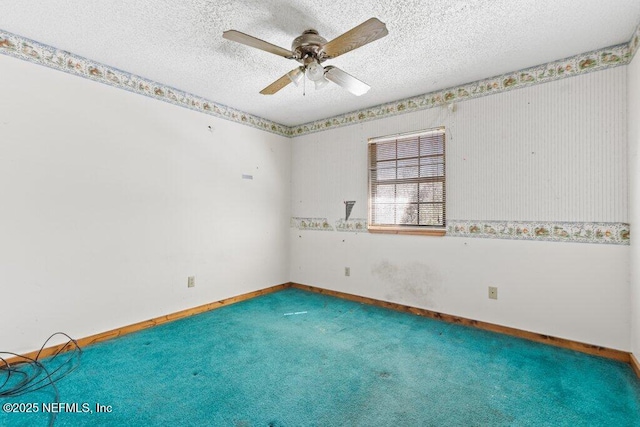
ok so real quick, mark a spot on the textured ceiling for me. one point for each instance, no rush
(432, 44)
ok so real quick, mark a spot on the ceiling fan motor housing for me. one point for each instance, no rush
(309, 45)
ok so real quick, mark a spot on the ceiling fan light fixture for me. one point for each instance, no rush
(295, 76)
(315, 71)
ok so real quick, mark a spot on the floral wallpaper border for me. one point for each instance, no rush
(353, 225)
(573, 66)
(579, 232)
(615, 233)
(319, 224)
(38, 53)
(634, 43)
(32, 51)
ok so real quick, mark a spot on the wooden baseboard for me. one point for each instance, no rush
(531, 336)
(609, 353)
(118, 332)
(634, 364)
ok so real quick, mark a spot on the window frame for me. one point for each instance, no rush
(431, 230)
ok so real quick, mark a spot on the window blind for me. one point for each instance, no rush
(407, 180)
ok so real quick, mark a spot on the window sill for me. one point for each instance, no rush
(408, 230)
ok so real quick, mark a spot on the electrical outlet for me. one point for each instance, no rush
(493, 292)
(191, 281)
(347, 271)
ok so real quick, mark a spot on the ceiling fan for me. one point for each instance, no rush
(311, 50)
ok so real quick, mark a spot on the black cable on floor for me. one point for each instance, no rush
(36, 374)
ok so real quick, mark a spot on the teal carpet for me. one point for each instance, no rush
(295, 358)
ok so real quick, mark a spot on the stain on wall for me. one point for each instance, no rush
(414, 283)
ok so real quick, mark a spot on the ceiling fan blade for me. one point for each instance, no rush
(281, 82)
(370, 30)
(346, 80)
(248, 40)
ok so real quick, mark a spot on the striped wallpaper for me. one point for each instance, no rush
(551, 154)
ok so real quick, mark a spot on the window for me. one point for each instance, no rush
(407, 183)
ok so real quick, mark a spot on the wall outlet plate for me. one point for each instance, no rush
(191, 281)
(347, 271)
(493, 292)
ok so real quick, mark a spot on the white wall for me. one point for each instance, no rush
(552, 152)
(633, 100)
(109, 200)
